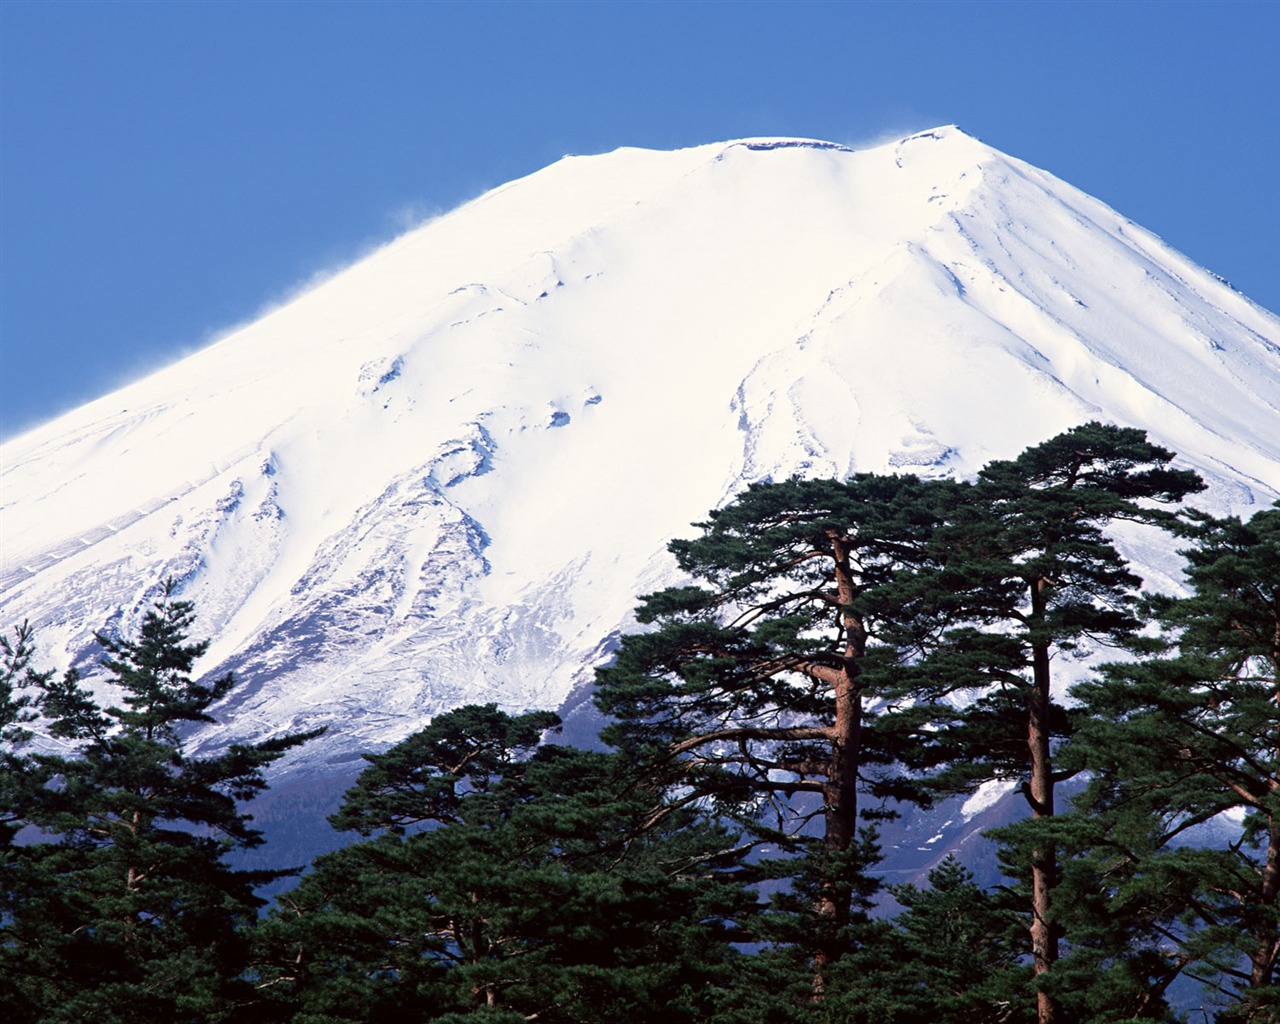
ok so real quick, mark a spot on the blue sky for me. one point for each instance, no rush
(169, 169)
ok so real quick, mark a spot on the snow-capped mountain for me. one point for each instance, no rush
(444, 474)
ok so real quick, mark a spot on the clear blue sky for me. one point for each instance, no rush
(169, 169)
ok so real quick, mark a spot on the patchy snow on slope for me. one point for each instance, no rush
(986, 796)
(444, 474)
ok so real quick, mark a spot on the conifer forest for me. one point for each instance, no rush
(840, 653)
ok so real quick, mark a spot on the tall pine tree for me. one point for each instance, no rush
(1184, 749)
(124, 908)
(1026, 573)
(756, 684)
(19, 686)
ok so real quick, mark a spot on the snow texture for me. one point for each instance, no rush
(444, 474)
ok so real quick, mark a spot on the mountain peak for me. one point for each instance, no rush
(443, 475)
(765, 144)
(942, 133)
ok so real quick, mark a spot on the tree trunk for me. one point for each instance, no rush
(1263, 959)
(840, 788)
(1044, 937)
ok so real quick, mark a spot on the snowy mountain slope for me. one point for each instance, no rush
(444, 474)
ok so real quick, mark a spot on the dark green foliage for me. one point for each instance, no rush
(16, 675)
(1027, 574)
(1183, 743)
(553, 885)
(754, 686)
(812, 598)
(424, 777)
(840, 648)
(124, 909)
(954, 954)
(1111, 969)
(19, 684)
(753, 648)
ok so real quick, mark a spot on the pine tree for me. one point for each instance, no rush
(125, 909)
(1026, 573)
(19, 683)
(755, 684)
(1185, 750)
(22, 780)
(953, 954)
(552, 887)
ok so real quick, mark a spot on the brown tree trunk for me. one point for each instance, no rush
(1044, 937)
(1263, 959)
(840, 788)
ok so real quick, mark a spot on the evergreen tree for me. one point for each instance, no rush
(1026, 573)
(125, 909)
(21, 782)
(553, 888)
(19, 683)
(954, 955)
(1183, 813)
(755, 685)
(424, 777)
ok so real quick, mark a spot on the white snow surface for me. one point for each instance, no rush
(443, 475)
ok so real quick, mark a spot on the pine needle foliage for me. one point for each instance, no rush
(1028, 574)
(757, 684)
(547, 885)
(1182, 813)
(123, 907)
